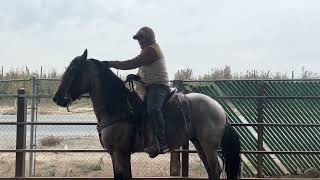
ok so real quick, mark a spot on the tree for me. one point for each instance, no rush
(217, 73)
(184, 74)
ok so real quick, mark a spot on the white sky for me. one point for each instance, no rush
(275, 35)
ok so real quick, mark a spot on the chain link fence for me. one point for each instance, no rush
(41, 108)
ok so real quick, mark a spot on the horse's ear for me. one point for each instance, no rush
(85, 54)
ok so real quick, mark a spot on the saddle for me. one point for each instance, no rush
(138, 107)
(136, 104)
(174, 100)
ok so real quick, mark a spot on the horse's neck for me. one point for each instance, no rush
(96, 96)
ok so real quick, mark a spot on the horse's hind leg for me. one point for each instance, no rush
(209, 157)
(210, 151)
(121, 165)
(201, 154)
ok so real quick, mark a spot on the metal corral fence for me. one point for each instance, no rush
(74, 150)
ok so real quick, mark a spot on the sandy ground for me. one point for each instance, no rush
(88, 164)
(98, 164)
(84, 164)
(92, 164)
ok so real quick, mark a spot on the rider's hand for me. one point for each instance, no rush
(110, 64)
(133, 77)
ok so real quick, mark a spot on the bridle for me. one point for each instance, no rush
(85, 111)
(131, 78)
(67, 96)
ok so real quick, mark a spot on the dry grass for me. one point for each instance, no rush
(50, 141)
(7, 110)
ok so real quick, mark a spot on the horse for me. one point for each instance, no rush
(207, 128)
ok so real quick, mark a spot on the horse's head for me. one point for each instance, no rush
(75, 81)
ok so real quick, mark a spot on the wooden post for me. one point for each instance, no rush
(21, 133)
(292, 75)
(260, 129)
(32, 127)
(175, 162)
(177, 84)
(41, 72)
(185, 160)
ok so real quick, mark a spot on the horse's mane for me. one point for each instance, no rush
(115, 92)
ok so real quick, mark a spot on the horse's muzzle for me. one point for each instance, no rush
(61, 100)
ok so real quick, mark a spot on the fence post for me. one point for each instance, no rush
(175, 163)
(185, 160)
(21, 133)
(260, 128)
(33, 108)
(177, 167)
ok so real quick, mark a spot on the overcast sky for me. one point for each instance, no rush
(275, 35)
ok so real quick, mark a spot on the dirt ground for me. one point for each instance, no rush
(82, 164)
(99, 164)
(92, 164)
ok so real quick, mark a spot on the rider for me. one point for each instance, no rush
(153, 72)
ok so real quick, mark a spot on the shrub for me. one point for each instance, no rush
(50, 141)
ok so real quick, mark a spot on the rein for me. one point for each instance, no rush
(131, 78)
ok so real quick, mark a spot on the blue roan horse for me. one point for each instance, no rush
(207, 127)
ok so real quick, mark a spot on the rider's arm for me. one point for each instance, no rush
(146, 57)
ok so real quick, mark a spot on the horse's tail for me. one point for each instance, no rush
(231, 152)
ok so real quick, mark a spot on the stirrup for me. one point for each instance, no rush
(164, 149)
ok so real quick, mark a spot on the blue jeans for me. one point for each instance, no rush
(155, 97)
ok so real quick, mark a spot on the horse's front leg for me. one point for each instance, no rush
(121, 165)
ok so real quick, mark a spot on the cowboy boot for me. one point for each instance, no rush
(153, 148)
(159, 145)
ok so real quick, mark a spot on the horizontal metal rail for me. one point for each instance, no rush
(95, 123)
(207, 81)
(178, 151)
(49, 79)
(38, 96)
(259, 152)
(218, 97)
(58, 79)
(275, 124)
(266, 97)
(155, 178)
(48, 123)
(15, 80)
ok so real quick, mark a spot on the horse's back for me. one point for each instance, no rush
(202, 114)
(203, 106)
(208, 118)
